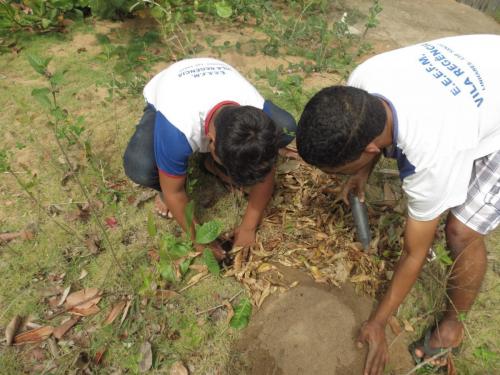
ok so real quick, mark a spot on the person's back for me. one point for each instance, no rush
(435, 108)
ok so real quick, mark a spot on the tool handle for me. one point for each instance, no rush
(360, 215)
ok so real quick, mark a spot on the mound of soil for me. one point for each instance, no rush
(310, 329)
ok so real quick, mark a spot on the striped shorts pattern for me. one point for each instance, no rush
(481, 209)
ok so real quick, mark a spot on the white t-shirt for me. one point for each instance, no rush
(445, 97)
(188, 90)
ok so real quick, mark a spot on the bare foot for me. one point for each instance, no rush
(161, 208)
(448, 334)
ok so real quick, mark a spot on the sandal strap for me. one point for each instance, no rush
(430, 352)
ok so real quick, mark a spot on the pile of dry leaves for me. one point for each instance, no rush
(310, 228)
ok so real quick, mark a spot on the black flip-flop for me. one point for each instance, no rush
(423, 344)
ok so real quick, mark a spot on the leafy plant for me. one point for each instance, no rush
(39, 15)
(63, 127)
(373, 13)
(177, 253)
(242, 313)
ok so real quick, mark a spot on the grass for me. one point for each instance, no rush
(102, 84)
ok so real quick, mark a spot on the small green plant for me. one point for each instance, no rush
(64, 127)
(177, 253)
(442, 255)
(373, 13)
(39, 15)
(242, 313)
(487, 356)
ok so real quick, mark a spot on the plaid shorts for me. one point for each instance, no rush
(481, 209)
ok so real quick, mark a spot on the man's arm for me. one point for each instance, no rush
(418, 238)
(260, 194)
(175, 197)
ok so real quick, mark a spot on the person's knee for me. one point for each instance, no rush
(459, 237)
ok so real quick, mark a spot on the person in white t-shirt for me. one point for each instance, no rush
(435, 108)
(204, 105)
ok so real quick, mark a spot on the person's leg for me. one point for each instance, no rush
(466, 227)
(469, 255)
(139, 159)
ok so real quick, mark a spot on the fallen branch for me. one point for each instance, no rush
(190, 285)
(219, 306)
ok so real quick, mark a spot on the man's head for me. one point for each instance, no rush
(337, 129)
(245, 142)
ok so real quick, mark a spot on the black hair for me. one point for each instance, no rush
(246, 142)
(337, 124)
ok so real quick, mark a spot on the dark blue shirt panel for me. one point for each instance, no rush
(172, 149)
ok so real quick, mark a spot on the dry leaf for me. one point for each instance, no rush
(33, 336)
(99, 355)
(82, 213)
(199, 267)
(196, 278)
(25, 235)
(394, 324)
(230, 310)
(265, 267)
(83, 299)
(360, 278)
(60, 331)
(146, 357)
(178, 368)
(264, 295)
(164, 294)
(408, 327)
(64, 296)
(83, 274)
(93, 243)
(12, 328)
(125, 310)
(92, 310)
(114, 312)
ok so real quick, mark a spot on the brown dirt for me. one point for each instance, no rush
(311, 328)
(81, 43)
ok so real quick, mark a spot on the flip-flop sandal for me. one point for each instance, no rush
(166, 216)
(423, 344)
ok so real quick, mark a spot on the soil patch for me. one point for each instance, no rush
(310, 329)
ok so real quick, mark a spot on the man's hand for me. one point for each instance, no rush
(357, 183)
(215, 247)
(244, 236)
(373, 334)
